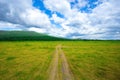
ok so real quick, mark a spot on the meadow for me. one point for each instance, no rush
(25, 60)
(88, 60)
(94, 60)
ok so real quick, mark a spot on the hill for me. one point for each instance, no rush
(26, 36)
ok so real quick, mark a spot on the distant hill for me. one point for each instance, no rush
(26, 36)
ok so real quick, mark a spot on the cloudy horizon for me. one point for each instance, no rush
(86, 19)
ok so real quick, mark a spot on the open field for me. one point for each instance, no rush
(94, 60)
(25, 60)
(60, 60)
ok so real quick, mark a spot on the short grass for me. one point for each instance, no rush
(88, 60)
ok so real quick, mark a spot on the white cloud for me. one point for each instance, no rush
(9, 26)
(22, 12)
(104, 20)
(57, 19)
(35, 17)
(101, 23)
(61, 6)
(39, 30)
(106, 15)
(20, 15)
(95, 24)
(81, 3)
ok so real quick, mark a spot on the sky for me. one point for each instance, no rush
(85, 19)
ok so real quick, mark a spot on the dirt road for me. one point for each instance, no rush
(59, 68)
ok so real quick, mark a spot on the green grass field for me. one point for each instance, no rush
(25, 60)
(94, 60)
(88, 60)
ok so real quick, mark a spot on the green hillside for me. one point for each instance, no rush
(26, 35)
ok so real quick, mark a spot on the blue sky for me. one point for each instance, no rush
(40, 5)
(86, 19)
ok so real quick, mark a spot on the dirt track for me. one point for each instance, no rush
(59, 68)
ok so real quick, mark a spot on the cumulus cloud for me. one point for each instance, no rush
(81, 3)
(40, 30)
(57, 19)
(63, 7)
(34, 17)
(10, 26)
(102, 22)
(23, 13)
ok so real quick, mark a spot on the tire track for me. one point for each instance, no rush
(53, 69)
(64, 72)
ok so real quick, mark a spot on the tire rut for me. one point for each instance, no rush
(67, 74)
(53, 69)
(59, 61)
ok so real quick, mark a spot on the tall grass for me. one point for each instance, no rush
(88, 60)
(25, 60)
(94, 60)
